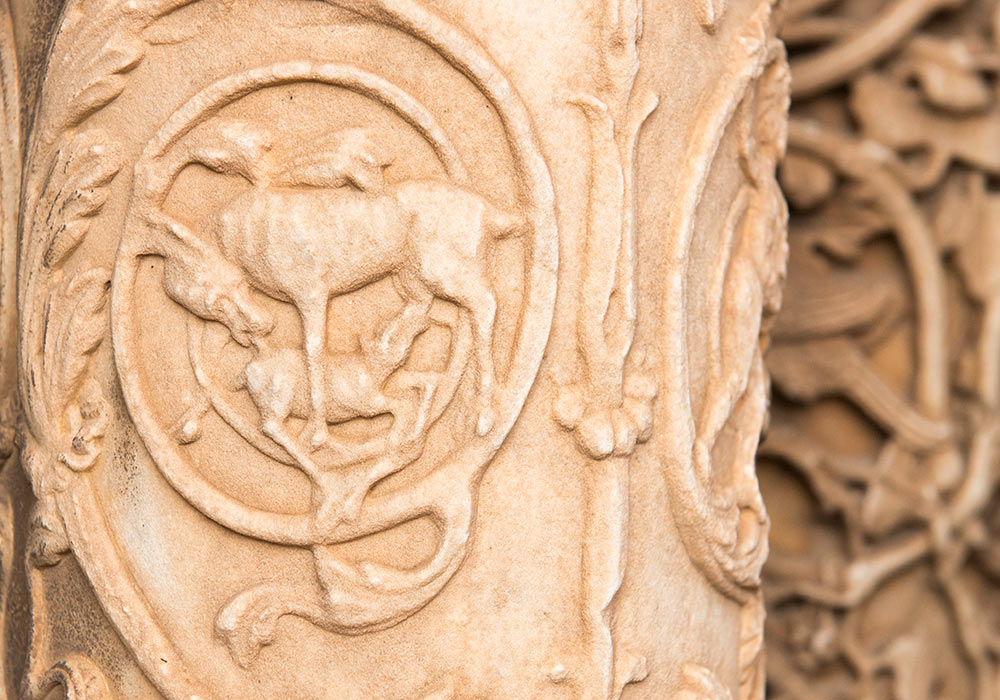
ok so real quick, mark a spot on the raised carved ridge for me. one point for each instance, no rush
(610, 408)
(282, 310)
(714, 497)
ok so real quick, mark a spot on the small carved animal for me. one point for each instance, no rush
(200, 279)
(278, 384)
(351, 157)
(308, 245)
(196, 275)
(354, 387)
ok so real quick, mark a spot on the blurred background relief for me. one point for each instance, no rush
(880, 465)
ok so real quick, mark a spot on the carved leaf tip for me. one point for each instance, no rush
(606, 431)
(84, 329)
(108, 74)
(84, 171)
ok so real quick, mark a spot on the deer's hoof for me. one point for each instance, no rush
(485, 423)
(318, 436)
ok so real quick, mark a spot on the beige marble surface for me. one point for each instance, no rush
(388, 348)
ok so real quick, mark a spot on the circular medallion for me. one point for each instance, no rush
(339, 287)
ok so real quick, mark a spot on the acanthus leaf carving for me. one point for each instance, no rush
(67, 178)
(77, 191)
(64, 422)
(66, 412)
(62, 401)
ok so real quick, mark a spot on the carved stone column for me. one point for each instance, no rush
(387, 348)
(880, 465)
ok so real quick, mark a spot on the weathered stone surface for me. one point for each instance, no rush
(387, 348)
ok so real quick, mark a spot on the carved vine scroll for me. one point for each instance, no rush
(714, 497)
(609, 408)
(881, 458)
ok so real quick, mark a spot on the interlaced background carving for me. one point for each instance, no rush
(879, 468)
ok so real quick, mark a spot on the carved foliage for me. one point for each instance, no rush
(69, 172)
(70, 168)
(610, 409)
(718, 498)
(715, 499)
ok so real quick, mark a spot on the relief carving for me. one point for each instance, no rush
(881, 455)
(287, 272)
(77, 677)
(286, 240)
(309, 229)
(611, 409)
(714, 497)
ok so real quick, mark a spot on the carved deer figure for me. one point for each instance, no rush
(306, 244)
(355, 385)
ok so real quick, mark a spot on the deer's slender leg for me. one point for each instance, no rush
(472, 292)
(407, 449)
(313, 312)
(399, 333)
(276, 431)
